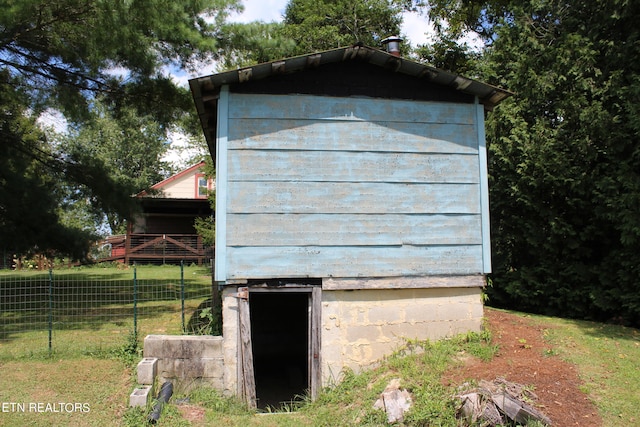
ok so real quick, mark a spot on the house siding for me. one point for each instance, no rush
(350, 187)
(183, 187)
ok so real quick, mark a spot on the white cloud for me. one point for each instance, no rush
(54, 120)
(417, 28)
(261, 10)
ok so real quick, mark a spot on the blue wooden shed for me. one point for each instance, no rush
(352, 191)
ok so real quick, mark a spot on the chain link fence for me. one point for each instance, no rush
(96, 310)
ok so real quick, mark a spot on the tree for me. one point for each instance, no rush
(246, 44)
(327, 24)
(73, 55)
(66, 51)
(29, 199)
(565, 159)
(310, 26)
(130, 147)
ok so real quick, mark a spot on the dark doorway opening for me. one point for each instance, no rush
(280, 346)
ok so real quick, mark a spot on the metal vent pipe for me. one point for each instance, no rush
(392, 45)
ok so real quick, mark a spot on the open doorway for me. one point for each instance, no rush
(280, 325)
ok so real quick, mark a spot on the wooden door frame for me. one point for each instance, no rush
(246, 374)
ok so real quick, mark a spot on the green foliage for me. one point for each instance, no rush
(253, 43)
(129, 147)
(29, 198)
(449, 54)
(452, 19)
(311, 26)
(564, 162)
(213, 399)
(321, 25)
(211, 321)
(66, 50)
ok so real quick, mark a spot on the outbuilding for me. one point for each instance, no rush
(352, 212)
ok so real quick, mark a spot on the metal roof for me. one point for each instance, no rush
(205, 89)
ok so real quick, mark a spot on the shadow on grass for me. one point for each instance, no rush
(605, 330)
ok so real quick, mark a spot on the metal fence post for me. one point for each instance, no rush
(50, 310)
(135, 303)
(182, 293)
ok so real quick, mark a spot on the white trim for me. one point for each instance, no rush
(484, 189)
(221, 185)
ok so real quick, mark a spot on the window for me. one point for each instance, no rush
(202, 186)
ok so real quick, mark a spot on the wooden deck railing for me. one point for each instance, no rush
(161, 248)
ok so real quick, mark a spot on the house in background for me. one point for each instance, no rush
(351, 212)
(164, 232)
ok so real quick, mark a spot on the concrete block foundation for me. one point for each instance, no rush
(360, 327)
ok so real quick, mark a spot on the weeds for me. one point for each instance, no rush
(212, 324)
(206, 320)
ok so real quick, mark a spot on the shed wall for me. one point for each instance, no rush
(350, 187)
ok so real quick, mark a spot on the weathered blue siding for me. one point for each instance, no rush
(348, 187)
(222, 138)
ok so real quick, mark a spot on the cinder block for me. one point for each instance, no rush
(147, 370)
(173, 347)
(153, 346)
(213, 347)
(166, 368)
(364, 334)
(386, 314)
(189, 368)
(141, 396)
(213, 367)
(422, 310)
(457, 311)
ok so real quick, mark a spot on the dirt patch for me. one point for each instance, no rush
(524, 357)
(191, 413)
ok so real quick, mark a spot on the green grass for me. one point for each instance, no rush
(608, 361)
(99, 385)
